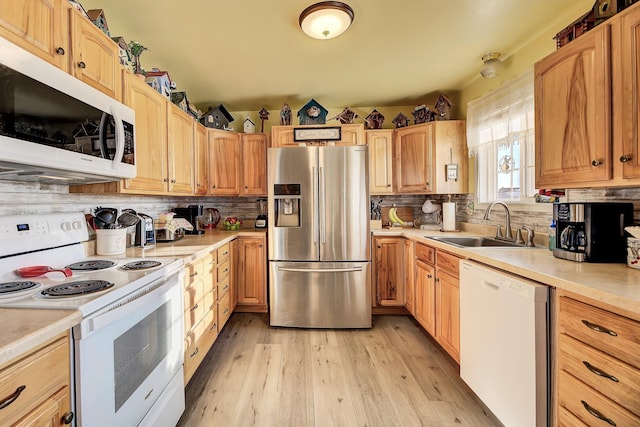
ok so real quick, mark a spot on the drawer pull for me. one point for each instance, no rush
(67, 418)
(226, 310)
(60, 51)
(9, 400)
(597, 413)
(599, 328)
(193, 274)
(599, 372)
(195, 352)
(213, 327)
(225, 288)
(195, 307)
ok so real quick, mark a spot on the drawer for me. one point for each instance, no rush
(211, 297)
(223, 288)
(616, 380)
(223, 253)
(211, 262)
(591, 407)
(41, 373)
(193, 351)
(425, 253)
(193, 295)
(224, 311)
(193, 272)
(567, 419)
(223, 271)
(608, 332)
(449, 263)
(211, 328)
(195, 306)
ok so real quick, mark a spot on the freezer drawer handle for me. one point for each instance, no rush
(320, 270)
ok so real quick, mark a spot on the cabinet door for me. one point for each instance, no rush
(380, 160)
(282, 136)
(628, 96)
(450, 147)
(573, 112)
(425, 297)
(448, 313)
(413, 156)
(51, 413)
(351, 134)
(151, 137)
(180, 150)
(254, 164)
(388, 271)
(224, 162)
(39, 26)
(252, 272)
(201, 161)
(96, 58)
(409, 275)
(233, 273)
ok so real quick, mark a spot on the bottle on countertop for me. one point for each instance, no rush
(552, 235)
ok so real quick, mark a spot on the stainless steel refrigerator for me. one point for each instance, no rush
(319, 237)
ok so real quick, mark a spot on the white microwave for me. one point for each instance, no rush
(55, 128)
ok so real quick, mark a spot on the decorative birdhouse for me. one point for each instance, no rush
(124, 52)
(401, 121)
(264, 115)
(99, 19)
(160, 81)
(249, 126)
(443, 107)
(217, 117)
(374, 120)
(312, 113)
(285, 115)
(422, 114)
(345, 117)
(180, 99)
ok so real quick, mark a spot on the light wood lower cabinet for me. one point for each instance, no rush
(409, 275)
(388, 272)
(251, 278)
(598, 368)
(425, 288)
(41, 385)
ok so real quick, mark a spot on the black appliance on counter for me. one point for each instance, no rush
(191, 213)
(592, 231)
(145, 231)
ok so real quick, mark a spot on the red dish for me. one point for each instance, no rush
(41, 270)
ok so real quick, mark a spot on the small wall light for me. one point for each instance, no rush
(492, 65)
(326, 20)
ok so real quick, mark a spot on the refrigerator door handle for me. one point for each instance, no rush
(315, 205)
(320, 270)
(323, 213)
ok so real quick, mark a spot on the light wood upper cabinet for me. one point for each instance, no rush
(573, 113)
(201, 161)
(380, 142)
(180, 149)
(224, 162)
(95, 57)
(388, 276)
(450, 151)
(254, 164)
(251, 277)
(351, 134)
(39, 26)
(413, 164)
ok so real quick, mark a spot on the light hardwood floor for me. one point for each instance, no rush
(390, 375)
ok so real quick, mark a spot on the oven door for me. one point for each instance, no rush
(127, 354)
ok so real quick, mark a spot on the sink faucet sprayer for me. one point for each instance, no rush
(487, 216)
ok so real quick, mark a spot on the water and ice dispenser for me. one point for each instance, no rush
(286, 198)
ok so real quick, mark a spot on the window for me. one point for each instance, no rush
(500, 134)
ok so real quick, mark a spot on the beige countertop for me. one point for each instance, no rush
(614, 284)
(24, 329)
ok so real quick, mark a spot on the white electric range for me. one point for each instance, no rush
(128, 349)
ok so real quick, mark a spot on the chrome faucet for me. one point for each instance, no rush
(487, 216)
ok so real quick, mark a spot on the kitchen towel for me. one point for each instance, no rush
(449, 216)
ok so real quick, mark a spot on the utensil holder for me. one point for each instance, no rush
(111, 241)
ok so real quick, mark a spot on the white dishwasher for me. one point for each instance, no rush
(504, 342)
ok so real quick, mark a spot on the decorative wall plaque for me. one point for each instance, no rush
(317, 134)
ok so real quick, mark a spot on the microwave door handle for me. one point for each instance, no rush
(117, 159)
(102, 136)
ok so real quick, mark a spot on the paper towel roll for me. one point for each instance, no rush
(449, 216)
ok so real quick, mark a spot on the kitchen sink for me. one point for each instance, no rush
(476, 241)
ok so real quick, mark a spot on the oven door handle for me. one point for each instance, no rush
(133, 303)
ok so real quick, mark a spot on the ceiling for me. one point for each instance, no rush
(251, 54)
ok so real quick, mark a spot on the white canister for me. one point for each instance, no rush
(633, 252)
(111, 241)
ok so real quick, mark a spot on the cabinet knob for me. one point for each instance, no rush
(82, 65)
(165, 180)
(213, 186)
(625, 158)
(246, 186)
(67, 418)
(596, 163)
(173, 181)
(60, 51)
(259, 246)
(429, 276)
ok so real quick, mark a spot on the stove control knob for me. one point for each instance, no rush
(65, 226)
(67, 418)
(77, 225)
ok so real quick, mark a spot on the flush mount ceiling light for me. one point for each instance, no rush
(326, 20)
(492, 65)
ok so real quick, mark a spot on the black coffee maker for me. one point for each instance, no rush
(191, 213)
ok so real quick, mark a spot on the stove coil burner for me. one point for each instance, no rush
(11, 287)
(91, 265)
(141, 265)
(77, 288)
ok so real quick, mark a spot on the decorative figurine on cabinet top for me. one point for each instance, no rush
(249, 126)
(217, 118)
(346, 116)
(422, 114)
(443, 107)
(400, 121)
(312, 113)
(160, 81)
(285, 115)
(97, 17)
(374, 120)
(136, 50)
(264, 115)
